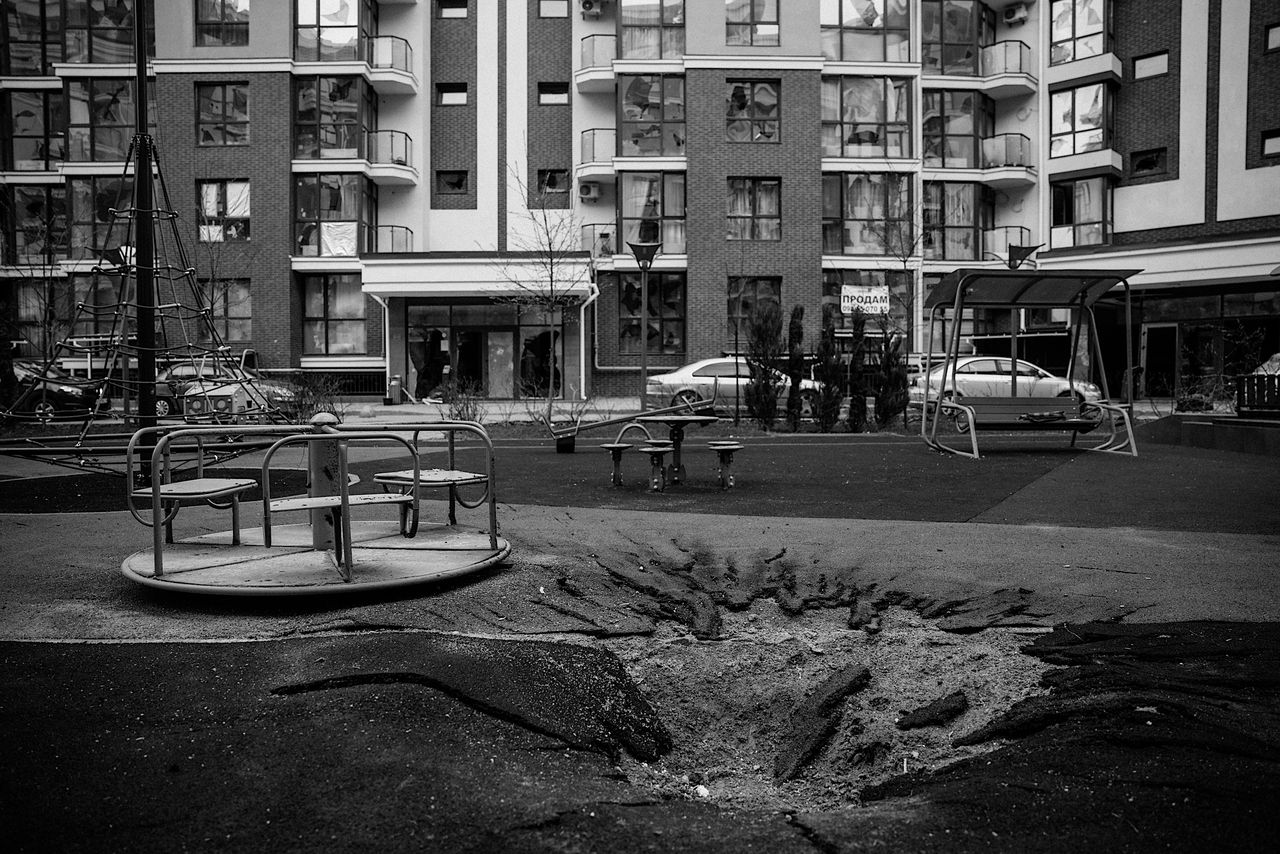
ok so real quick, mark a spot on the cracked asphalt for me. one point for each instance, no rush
(491, 714)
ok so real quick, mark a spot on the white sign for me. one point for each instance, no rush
(872, 299)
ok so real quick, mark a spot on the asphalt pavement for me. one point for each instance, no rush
(492, 714)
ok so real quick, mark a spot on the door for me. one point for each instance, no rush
(470, 357)
(1159, 360)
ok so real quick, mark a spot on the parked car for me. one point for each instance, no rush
(991, 376)
(56, 392)
(700, 380)
(178, 380)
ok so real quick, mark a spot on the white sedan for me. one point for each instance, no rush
(992, 376)
(700, 381)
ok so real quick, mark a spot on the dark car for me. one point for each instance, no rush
(50, 392)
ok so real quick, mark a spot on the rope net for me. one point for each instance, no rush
(199, 379)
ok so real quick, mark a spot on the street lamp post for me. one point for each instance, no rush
(644, 253)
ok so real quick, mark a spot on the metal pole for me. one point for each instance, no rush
(144, 238)
(644, 333)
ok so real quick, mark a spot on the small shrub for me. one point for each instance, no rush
(316, 393)
(463, 400)
(764, 351)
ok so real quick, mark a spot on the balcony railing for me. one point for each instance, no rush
(1007, 57)
(1007, 149)
(598, 144)
(598, 51)
(390, 146)
(600, 239)
(389, 52)
(996, 241)
(392, 238)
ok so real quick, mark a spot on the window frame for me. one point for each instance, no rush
(213, 31)
(843, 123)
(446, 94)
(664, 218)
(1104, 225)
(328, 321)
(226, 323)
(938, 229)
(441, 184)
(87, 235)
(95, 140)
(738, 306)
(1271, 33)
(670, 42)
(1058, 55)
(761, 128)
(310, 228)
(982, 126)
(894, 199)
(1162, 156)
(1074, 133)
(754, 225)
(549, 8)
(51, 139)
(51, 229)
(544, 176)
(448, 9)
(309, 32)
(1148, 56)
(661, 314)
(221, 219)
(755, 25)
(936, 55)
(227, 101)
(843, 36)
(357, 117)
(553, 94)
(1271, 137)
(669, 122)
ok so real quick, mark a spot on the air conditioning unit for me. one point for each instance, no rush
(592, 8)
(1015, 14)
(588, 191)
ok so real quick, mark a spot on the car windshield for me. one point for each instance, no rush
(53, 372)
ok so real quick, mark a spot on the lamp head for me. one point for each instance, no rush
(645, 253)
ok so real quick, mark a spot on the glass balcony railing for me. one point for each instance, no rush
(1006, 149)
(389, 52)
(600, 239)
(598, 144)
(1007, 57)
(392, 238)
(598, 51)
(996, 241)
(391, 147)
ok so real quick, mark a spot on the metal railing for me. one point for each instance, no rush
(390, 146)
(392, 238)
(389, 52)
(600, 239)
(1006, 149)
(1007, 57)
(598, 51)
(996, 241)
(598, 144)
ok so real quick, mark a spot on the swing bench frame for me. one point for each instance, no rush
(1017, 290)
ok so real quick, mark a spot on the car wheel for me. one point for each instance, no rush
(685, 398)
(44, 411)
(163, 407)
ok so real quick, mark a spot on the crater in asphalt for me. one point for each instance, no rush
(802, 712)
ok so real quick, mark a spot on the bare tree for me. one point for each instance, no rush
(547, 272)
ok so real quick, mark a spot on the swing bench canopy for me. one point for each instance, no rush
(1025, 288)
(994, 402)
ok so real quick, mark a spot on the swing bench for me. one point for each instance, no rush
(1016, 290)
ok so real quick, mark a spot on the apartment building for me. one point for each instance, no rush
(433, 189)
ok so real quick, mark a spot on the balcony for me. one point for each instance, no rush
(392, 238)
(390, 61)
(595, 154)
(601, 240)
(595, 63)
(391, 158)
(1006, 161)
(1006, 68)
(996, 241)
